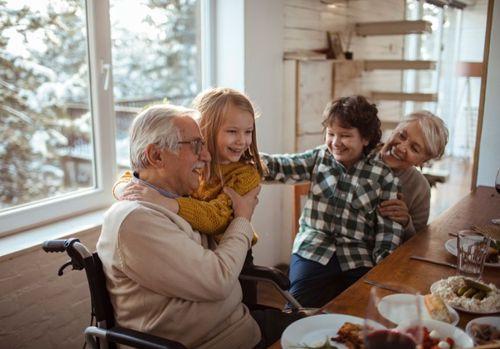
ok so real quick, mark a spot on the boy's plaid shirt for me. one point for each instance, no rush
(340, 215)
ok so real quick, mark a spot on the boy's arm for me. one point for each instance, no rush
(389, 233)
(289, 168)
(212, 217)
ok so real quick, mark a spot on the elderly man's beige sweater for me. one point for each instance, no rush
(168, 280)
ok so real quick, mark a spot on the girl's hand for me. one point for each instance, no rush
(140, 192)
(395, 210)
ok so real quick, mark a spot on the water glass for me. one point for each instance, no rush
(472, 250)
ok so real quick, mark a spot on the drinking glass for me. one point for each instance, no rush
(472, 250)
(393, 321)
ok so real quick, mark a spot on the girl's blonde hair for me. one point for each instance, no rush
(213, 105)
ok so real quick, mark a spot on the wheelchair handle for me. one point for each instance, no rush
(55, 245)
(75, 250)
(72, 246)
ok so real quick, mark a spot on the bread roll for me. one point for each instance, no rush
(436, 308)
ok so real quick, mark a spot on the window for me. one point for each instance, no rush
(58, 84)
(423, 47)
(156, 57)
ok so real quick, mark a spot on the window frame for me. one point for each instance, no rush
(82, 201)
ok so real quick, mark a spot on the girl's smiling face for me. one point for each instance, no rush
(345, 144)
(235, 135)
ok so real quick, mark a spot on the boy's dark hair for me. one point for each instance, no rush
(355, 112)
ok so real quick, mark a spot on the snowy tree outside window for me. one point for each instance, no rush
(156, 57)
(46, 146)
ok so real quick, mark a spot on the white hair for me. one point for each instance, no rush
(434, 130)
(155, 125)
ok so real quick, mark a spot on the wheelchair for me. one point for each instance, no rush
(106, 334)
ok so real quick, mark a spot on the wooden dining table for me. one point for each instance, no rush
(477, 208)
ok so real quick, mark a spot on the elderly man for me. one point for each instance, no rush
(163, 277)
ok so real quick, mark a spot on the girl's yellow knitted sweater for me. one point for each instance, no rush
(209, 210)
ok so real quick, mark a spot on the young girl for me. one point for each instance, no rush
(341, 233)
(228, 126)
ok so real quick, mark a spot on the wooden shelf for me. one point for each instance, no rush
(401, 96)
(304, 55)
(393, 28)
(399, 65)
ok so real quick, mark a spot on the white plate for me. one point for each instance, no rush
(451, 246)
(488, 320)
(314, 330)
(462, 339)
(400, 307)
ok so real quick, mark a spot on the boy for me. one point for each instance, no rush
(341, 234)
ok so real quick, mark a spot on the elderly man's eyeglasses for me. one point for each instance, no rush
(196, 145)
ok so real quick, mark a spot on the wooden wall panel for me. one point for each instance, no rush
(306, 25)
(304, 39)
(315, 91)
(309, 141)
(289, 106)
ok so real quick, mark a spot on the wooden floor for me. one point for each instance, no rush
(443, 195)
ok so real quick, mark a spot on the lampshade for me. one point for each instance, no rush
(469, 69)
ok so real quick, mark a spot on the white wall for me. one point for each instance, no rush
(250, 58)
(230, 50)
(489, 151)
(263, 83)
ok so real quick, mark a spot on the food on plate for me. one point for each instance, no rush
(473, 289)
(493, 251)
(492, 256)
(325, 345)
(351, 335)
(436, 308)
(432, 340)
(467, 294)
(484, 333)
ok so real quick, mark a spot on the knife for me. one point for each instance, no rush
(384, 286)
(446, 264)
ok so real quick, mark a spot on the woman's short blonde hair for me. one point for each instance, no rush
(434, 130)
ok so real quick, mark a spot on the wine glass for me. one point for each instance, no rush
(393, 320)
(497, 187)
(497, 181)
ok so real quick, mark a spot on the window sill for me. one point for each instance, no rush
(31, 239)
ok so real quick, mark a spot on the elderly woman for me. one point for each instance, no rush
(421, 137)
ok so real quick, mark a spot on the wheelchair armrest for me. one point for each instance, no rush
(256, 272)
(133, 338)
(140, 340)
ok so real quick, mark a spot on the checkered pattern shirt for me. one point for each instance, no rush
(340, 215)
